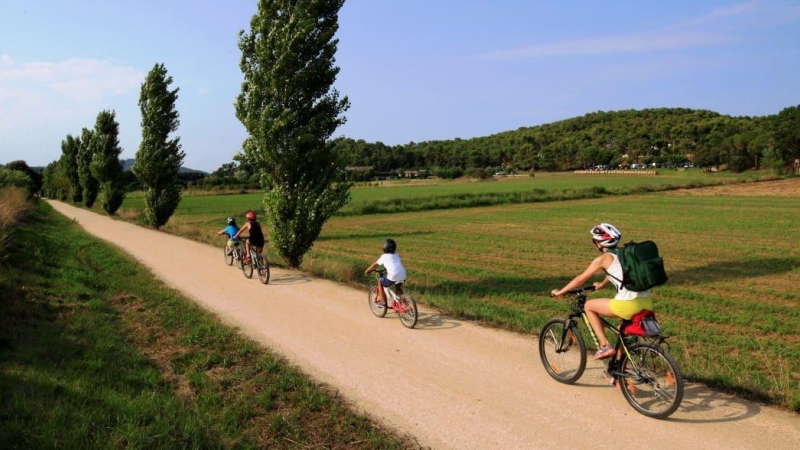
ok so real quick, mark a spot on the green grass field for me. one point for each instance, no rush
(734, 263)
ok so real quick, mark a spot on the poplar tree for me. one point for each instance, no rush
(290, 110)
(69, 158)
(105, 165)
(160, 157)
(85, 155)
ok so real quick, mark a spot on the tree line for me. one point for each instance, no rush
(90, 169)
(661, 136)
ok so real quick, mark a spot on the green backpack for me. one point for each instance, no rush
(642, 267)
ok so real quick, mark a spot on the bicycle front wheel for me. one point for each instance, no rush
(651, 380)
(228, 252)
(407, 310)
(377, 308)
(263, 269)
(247, 266)
(562, 351)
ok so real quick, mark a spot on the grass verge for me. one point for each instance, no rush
(95, 353)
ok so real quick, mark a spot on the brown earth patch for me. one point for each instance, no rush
(781, 188)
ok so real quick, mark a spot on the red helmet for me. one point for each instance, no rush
(250, 215)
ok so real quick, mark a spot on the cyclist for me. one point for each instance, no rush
(256, 238)
(231, 231)
(625, 304)
(395, 271)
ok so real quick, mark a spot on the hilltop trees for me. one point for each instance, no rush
(159, 158)
(290, 110)
(105, 165)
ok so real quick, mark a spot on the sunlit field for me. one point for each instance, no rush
(731, 305)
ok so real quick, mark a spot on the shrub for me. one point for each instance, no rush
(14, 207)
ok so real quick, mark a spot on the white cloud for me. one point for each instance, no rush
(612, 45)
(78, 80)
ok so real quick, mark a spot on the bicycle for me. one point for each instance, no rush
(645, 371)
(403, 304)
(233, 254)
(257, 261)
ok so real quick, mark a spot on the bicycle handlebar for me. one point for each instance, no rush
(579, 290)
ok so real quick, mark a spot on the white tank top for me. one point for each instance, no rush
(615, 272)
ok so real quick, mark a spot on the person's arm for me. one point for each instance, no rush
(597, 264)
(244, 227)
(371, 268)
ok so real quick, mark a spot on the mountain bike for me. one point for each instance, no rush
(402, 303)
(642, 367)
(233, 254)
(257, 262)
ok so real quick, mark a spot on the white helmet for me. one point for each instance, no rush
(606, 235)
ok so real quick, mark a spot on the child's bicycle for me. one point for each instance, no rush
(234, 253)
(403, 304)
(642, 367)
(257, 262)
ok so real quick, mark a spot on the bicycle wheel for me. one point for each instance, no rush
(247, 267)
(407, 310)
(263, 269)
(379, 309)
(651, 380)
(239, 260)
(228, 252)
(562, 351)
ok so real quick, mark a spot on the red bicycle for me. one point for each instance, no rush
(403, 304)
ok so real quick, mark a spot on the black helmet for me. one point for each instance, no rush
(389, 246)
(231, 221)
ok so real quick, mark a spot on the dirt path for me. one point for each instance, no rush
(451, 384)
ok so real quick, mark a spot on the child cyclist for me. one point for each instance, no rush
(256, 238)
(231, 230)
(625, 304)
(395, 272)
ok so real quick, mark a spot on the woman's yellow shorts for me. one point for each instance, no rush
(627, 308)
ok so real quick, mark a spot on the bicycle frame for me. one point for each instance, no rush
(622, 340)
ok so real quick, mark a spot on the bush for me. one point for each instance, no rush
(15, 178)
(15, 205)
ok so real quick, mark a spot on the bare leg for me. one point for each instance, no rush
(594, 309)
(381, 294)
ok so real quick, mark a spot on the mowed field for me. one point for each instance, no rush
(731, 305)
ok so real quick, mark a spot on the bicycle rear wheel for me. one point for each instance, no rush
(263, 269)
(651, 380)
(407, 310)
(247, 266)
(228, 252)
(379, 309)
(562, 351)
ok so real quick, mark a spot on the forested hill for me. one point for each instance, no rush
(663, 135)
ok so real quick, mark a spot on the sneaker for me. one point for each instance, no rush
(604, 352)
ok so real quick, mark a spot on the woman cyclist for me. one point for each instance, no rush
(256, 238)
(625, 304)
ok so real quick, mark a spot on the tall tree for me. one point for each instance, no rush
(290, 110)
(159, 158)
(69, 150)
(86, 146)
(786, 133)
(105, 165)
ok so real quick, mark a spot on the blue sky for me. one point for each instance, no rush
(413, 70)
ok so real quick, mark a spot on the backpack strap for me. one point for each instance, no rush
(615, 252)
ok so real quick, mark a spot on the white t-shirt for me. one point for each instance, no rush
(394, 267)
